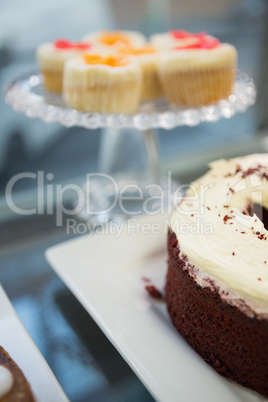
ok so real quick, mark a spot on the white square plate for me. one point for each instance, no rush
(19, 345)
(106, 273)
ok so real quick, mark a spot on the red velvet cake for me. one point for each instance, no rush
(217, 281)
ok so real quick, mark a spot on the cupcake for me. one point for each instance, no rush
(199, 73)
(115, 39)
(51, 58)
(105, 84)
(147, 56)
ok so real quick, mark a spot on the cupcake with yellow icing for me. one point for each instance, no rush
(105, 84)
(147, 56)
(113, 40)
(198, 73)
(51, 58)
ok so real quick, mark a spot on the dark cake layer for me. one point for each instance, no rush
(231, 342)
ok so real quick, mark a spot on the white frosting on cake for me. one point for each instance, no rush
(218, 239)
(6, 381)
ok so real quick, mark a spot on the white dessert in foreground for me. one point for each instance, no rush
(6, 381)
(13, 384)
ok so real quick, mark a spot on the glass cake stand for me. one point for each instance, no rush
(129, 181)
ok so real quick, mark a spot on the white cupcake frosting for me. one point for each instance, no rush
(191, 59)
(166, 40)
(50, 57)
(220, 241)
(48, 49)
(78, 73)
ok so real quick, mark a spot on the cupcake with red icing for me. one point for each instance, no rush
(52, 56)
(196, 69)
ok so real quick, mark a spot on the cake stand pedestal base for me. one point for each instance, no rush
(129, 182)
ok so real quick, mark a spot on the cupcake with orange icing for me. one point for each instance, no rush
(105, 84)
(52, 56)
(198, 71)
(147, 56)
(112, 40)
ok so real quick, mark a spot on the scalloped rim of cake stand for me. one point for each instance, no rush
(26, 94)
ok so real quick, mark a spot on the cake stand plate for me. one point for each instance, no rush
(26, 94)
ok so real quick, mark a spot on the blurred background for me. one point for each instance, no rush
(48, 310)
